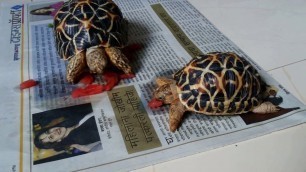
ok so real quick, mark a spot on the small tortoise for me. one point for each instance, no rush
(86, 32)
(214, 84)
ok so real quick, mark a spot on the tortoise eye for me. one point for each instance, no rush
(160, 97)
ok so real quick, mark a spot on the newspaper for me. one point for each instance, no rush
(114, 130)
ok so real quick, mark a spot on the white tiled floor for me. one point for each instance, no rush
(272, 35)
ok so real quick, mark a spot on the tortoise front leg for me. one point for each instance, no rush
(118, 59)
(75, 68)
(177, 110)
(163, 81)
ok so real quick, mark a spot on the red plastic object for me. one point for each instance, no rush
(87, 79)
(88, 90)
(133, 47)
(94, 89)
(27, 84)
(154, 103)
(126, 76)
(78, 92)
(111, 79)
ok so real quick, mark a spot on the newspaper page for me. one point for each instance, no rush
(114, 130)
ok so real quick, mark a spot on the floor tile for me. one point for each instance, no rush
(282, 77)
(297, 76)
(271, 35)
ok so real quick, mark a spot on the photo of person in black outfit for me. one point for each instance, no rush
(70, 136)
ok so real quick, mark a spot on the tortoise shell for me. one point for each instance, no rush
(81, 24)
(219, 84)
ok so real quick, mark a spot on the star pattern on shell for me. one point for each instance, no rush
(81, 24)
(219, 83)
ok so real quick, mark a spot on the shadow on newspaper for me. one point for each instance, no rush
(250, 118)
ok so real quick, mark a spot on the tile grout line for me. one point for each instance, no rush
(286, 65)
(294, 87)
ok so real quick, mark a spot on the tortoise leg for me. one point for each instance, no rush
(163, 80)
(119, 60)
(177, 110)
(96, 60)
(266, 107)
(76, 66)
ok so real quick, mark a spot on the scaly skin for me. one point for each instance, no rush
(95, 59)
(118, 59)
(176, 113)
(76, 67)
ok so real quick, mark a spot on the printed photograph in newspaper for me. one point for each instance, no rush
(44, 11)
(63, 133)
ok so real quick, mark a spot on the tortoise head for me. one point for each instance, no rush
(164, 93)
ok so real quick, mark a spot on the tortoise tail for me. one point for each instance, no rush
(271, 91)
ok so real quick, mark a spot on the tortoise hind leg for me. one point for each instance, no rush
(118, 59)
(266, 107)
(75, 68)
(177, 110)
